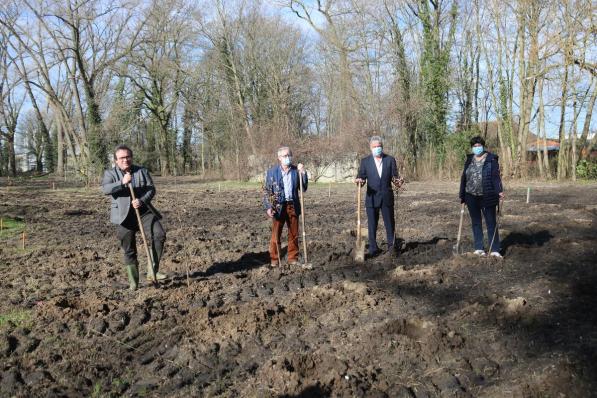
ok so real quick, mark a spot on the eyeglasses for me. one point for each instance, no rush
(285, 156)
(125, 157)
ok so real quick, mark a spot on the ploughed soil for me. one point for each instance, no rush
(427, 323)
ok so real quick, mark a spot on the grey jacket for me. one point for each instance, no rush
(121, 196)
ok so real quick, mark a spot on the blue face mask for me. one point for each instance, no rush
(377, 151)
(477, 150)
(286, 161)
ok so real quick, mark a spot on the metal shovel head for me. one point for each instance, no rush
(359, 251)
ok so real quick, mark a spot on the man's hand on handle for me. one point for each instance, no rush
(359, 181)
(300, 168)
(127, 178)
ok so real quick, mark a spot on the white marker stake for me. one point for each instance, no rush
(528, 194)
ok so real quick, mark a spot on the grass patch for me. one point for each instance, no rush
(11, 227)
(18, 318)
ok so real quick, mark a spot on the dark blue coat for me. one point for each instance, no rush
(491, 180)
(379, 190)
(274, 186)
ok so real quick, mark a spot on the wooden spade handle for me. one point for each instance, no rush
(147, 252)
(302, 216)
(358, 213)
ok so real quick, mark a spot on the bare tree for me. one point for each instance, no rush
(11, 101)
(156, 68)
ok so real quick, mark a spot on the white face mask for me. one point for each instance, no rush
(286, 160)
(377, 151)
(478, 150)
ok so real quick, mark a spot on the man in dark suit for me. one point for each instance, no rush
(379, 171)
(282, 205)
(115, 183)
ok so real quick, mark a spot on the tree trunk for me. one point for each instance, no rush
(239, 99)
(540, 127)
(60, 163)
(562, 158)
(584, 149)
(165, 151)
(573, 141)
(12, 161)
(186, 139)
(543, 160)
(48, 148)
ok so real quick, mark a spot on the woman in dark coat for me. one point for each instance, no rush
(481, 189)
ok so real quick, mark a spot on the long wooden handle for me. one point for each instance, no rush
(497, 222)
(358, 213)
(147, 252)
(460, 225)
(303, 216)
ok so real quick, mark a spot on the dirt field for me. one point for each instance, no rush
(425, 324)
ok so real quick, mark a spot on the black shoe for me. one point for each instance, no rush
(374, 253)
(393, 251)
(389, 255)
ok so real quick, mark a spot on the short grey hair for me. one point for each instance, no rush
(375, 138)
(284, 148)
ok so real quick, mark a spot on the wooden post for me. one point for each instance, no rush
(1, 225)
(23, 241)
(528, 194)
(219, 187)
(53, 186)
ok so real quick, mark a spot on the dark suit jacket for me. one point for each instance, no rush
(274, 185)
(121, 196)
(379, 190)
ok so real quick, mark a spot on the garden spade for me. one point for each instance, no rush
(306, 263)
(457, 245)
(359, 250)
(497, 222)
(150, 262)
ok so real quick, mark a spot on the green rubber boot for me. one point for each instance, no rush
(133, 273)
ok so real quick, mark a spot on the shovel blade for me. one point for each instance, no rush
(359, 252)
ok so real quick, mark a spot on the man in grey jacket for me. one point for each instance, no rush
(115, 183)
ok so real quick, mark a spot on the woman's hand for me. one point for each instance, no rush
(502, 195)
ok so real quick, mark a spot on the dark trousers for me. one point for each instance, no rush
(154, 232)
(475, 209)
(372, 220)
(287, 216)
